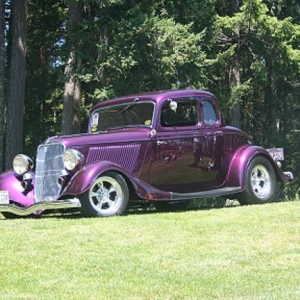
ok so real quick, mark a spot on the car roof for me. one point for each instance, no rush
(156, 96)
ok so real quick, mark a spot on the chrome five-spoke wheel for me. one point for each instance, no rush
(261, 181)
(108, 196)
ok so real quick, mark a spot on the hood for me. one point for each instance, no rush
(112, 136)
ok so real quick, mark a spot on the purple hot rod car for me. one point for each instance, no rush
(162, 148)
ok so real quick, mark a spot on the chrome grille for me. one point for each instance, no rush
(49, 165)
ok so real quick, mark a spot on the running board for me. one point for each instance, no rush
(211, 193)
(40, 206)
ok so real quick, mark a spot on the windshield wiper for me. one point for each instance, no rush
(129, 105)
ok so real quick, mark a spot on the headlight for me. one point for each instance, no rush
(72, 159)
(22, 164)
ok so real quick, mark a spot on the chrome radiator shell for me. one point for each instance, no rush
(49, 166)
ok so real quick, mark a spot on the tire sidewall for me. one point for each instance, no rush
(249, 193)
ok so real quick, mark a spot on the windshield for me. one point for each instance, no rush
(127, 114)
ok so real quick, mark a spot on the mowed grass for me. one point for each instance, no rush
(250, 252)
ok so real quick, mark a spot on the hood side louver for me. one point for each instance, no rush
(123, 155)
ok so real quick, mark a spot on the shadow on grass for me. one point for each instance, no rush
(194, 205)
(149, 208)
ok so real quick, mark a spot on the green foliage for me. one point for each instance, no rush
(267, 50)
(140, 51)
(239, 92)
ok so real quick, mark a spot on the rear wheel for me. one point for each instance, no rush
(108, 196)
(261, 185)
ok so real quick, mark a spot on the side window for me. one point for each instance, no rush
(209, 113)
(182, 114)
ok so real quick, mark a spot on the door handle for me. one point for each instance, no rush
(161, 143)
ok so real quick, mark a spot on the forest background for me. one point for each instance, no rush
(58, 58)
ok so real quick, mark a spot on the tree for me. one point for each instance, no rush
(44, 71)
(266, 48)
(72, 87)
(2, 76)
(133, 48)
(16, 83)
(234, 73)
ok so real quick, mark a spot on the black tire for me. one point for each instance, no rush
(108, 196)
(167, 206)
(261, 184)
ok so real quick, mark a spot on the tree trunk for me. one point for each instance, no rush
(271, 106)
(235, 76)
(16, 83)
(235, 4)
(235, 81)
(72, 88)
(2, 70)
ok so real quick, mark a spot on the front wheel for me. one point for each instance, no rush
(260, 182)
(108, 196)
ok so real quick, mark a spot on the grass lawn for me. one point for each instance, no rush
(249, 252)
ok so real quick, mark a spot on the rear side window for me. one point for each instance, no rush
(209, 113)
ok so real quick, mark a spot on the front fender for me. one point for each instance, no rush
(240, 161)
(9, 182)
(85, 177)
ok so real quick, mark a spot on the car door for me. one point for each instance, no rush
(184, 149)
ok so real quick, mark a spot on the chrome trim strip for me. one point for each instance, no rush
(40, 206)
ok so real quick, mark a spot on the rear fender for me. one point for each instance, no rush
(84, 178)
(240, 162)
(9, 182)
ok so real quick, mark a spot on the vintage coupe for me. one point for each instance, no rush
(161, 148)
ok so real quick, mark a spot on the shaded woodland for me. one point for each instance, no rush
(59, 58)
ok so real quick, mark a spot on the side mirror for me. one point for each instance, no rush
(173, 105)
